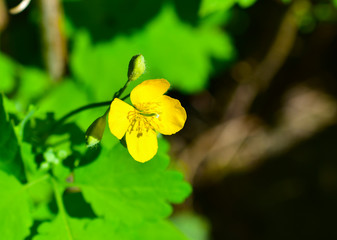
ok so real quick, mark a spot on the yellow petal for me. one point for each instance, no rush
(118, 117)
(148, 91)
(171, 116)
(142, 143)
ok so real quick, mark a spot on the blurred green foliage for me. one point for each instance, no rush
(194, 226)
(176, 51)
(211, 6)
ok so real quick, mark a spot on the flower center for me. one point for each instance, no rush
(140, 122)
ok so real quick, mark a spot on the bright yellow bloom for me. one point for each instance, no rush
(153, 111)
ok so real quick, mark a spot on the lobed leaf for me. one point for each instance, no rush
(68, 228)
(123, 190)
(62, 227)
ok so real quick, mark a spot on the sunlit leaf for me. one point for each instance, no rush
(68, 228)
(246, 3)
(153, 230)
(121, 189)
(62, 227)
(15, 213)
(211, 6)
(68, 96)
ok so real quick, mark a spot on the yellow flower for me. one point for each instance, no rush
(153, 111)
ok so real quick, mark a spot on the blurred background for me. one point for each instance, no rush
(256, 77)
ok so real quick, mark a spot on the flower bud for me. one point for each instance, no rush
(136, 67)
(95, 132)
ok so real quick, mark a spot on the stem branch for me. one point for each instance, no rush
(35, 181)
(92, 105)
(61, 208)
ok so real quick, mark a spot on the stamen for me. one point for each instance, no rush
(140, 122)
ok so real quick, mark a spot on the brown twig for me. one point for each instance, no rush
(53, 36)
(3, 15)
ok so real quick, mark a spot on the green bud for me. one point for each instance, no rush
(95, 132)
(136, 67)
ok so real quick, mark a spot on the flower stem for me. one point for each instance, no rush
(94, 105)
(35, 181)
(86, 107)
(89, 106)
(120, 91)
(61, 208)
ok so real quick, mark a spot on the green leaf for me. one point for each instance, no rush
(25, 84)
(15, 213)
(10, 159)
(63, 99)
(7, 72)
(39, 193)
(62, 227)
(34, 84)
(121, 189)
(104, 229)
(210, 6)
(68, 96)
(162, 229)
(182, 54)
(68, 228)
(246, 3)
